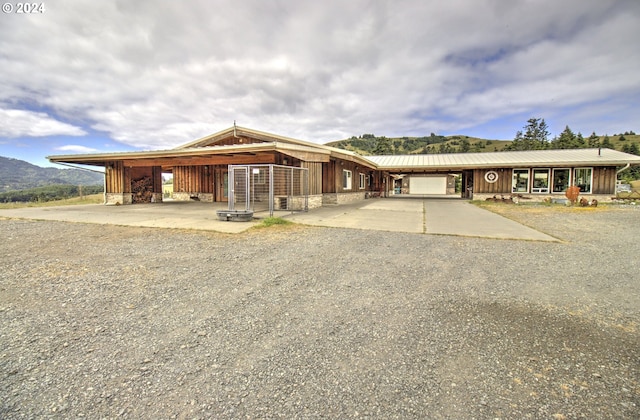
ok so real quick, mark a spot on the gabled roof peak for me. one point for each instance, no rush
(238, 132)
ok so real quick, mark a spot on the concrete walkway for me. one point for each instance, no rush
(430, 216)
(170, 214)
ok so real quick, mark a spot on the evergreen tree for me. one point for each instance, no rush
(606, 142)
(535, 136)
(566, 140)
(631, 149)
(593, 141)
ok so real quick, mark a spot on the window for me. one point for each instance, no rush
(346, 179)
(540, 181)
(520, 181)
(560, 180)
(363, 182)
(582, 177)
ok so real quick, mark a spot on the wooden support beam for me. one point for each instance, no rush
(306, 156)
(203, 160)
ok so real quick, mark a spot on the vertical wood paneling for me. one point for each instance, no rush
(604, 180)
(113, 177)
(501, 186)
(157, 179)
(315, 176)
(329, 177)
(126, 180)
(194, 179)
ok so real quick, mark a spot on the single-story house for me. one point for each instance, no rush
(200, 170)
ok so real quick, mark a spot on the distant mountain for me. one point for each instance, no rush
(17, 175)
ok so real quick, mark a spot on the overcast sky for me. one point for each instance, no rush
(85, 75)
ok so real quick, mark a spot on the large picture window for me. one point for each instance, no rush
(346, 179)
(582, 177)
(560, 180)
(540, 181)
(520, 181)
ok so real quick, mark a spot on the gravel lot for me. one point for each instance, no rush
(302, 322)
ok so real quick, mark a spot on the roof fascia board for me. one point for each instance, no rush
(214, 150)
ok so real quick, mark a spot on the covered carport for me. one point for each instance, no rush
(416, 175)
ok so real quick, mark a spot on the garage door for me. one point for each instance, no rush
(428, 185)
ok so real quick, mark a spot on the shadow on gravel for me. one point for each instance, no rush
(516, 360)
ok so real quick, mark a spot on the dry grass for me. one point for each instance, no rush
(539, 208)
(87, 199)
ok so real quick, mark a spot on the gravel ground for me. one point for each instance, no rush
(302, 322)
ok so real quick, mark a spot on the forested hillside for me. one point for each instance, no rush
(533, 136)
(17, 175)
(369, 144)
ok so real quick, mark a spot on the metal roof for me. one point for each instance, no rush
(565, 157)
(209, 146)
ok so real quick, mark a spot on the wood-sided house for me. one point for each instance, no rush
(535, 174)
(200, 170)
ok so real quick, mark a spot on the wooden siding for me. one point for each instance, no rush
(332, 178)
(193, 179)
(329, 177)
(114, 177)
(501, 186)
(315, 176)
(231, 140)
(604, 180)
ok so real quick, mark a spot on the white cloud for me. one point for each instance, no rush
(75, 148)
(19, 123)
(155, 75)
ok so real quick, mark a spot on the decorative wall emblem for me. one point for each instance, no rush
(491, 177)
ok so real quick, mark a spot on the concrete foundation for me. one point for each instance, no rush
(193, 196)
(118, 198)
(342, 198)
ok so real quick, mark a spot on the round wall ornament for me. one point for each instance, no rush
(491, 177)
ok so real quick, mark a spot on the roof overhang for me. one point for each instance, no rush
(195, 155)
(521, 159)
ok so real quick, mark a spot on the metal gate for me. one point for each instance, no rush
(268, 188)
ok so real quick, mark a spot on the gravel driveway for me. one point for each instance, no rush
(306, 322)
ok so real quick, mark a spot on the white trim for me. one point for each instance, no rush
(540, 190)
(553, 173)
(513, 179)
(575, 178)
(346, 179)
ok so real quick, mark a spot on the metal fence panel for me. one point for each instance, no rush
(268, 188)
